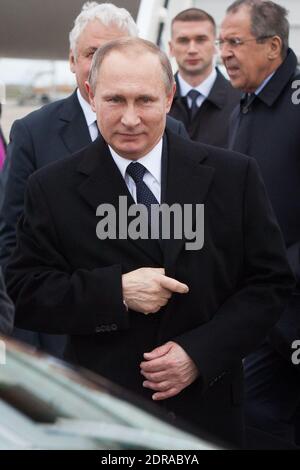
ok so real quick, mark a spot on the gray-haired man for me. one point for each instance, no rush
(254, 41)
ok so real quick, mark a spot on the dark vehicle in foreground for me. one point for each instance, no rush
(46, 404)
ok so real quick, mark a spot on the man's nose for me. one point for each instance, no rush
(225, 51)
(130, 117)
(192, 47)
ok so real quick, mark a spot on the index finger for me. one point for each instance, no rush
(158, 270)
(156, 365)
(173, 285)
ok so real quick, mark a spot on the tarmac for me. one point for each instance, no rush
(12, 111)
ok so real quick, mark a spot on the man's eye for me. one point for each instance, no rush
(233, 42)
(114, 99)
(145, 99)
(201, 40)
(183, 40)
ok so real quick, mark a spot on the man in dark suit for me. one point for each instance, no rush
(58, 130)
(157, 316)
(266, 127)
(6, 310)
(204, 99)
(2, 143)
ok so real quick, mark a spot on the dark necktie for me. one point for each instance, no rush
(193, 95)
(143, 193)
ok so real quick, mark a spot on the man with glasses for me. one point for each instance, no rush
(254, 43)
(204, 99)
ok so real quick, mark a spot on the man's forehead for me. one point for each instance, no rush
(234, 22)
(182, 28)
(122, 84)
(131, 68)
(136, 57)
(138, 76)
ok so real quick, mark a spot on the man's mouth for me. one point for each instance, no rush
(192, 61)
(129, 135)
(232, 69)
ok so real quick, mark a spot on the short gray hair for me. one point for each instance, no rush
(267, 19)
(140, 46)
(194, 14)
(108, 14)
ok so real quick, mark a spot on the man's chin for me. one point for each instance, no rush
(193, 71)
(131, 152)
(236, 83)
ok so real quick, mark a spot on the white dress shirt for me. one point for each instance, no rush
(89, 115)
(204, 88)
(152, 177)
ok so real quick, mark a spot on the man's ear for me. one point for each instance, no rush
(171, 53)
(170, 98)
(275, 48)
(90, 95)
(72, 61)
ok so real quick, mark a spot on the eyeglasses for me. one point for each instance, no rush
(236, 42)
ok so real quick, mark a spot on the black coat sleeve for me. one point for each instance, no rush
(6, 310)
(287, 331)
(48, 296)
(245, 318)
(19, 165)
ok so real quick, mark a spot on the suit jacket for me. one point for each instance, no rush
(49, 134)
(63, 279)
(3, 141)
(1, 133)
(6, 310)
(210, 124)
(2, 138)
(269, 132)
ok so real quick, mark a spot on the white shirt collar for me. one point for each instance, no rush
(204, 88)
(89, 114)
(151, 161)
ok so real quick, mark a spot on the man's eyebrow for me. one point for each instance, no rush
(147, 95)
(193, 37)
(112, 95)
(108, 95)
